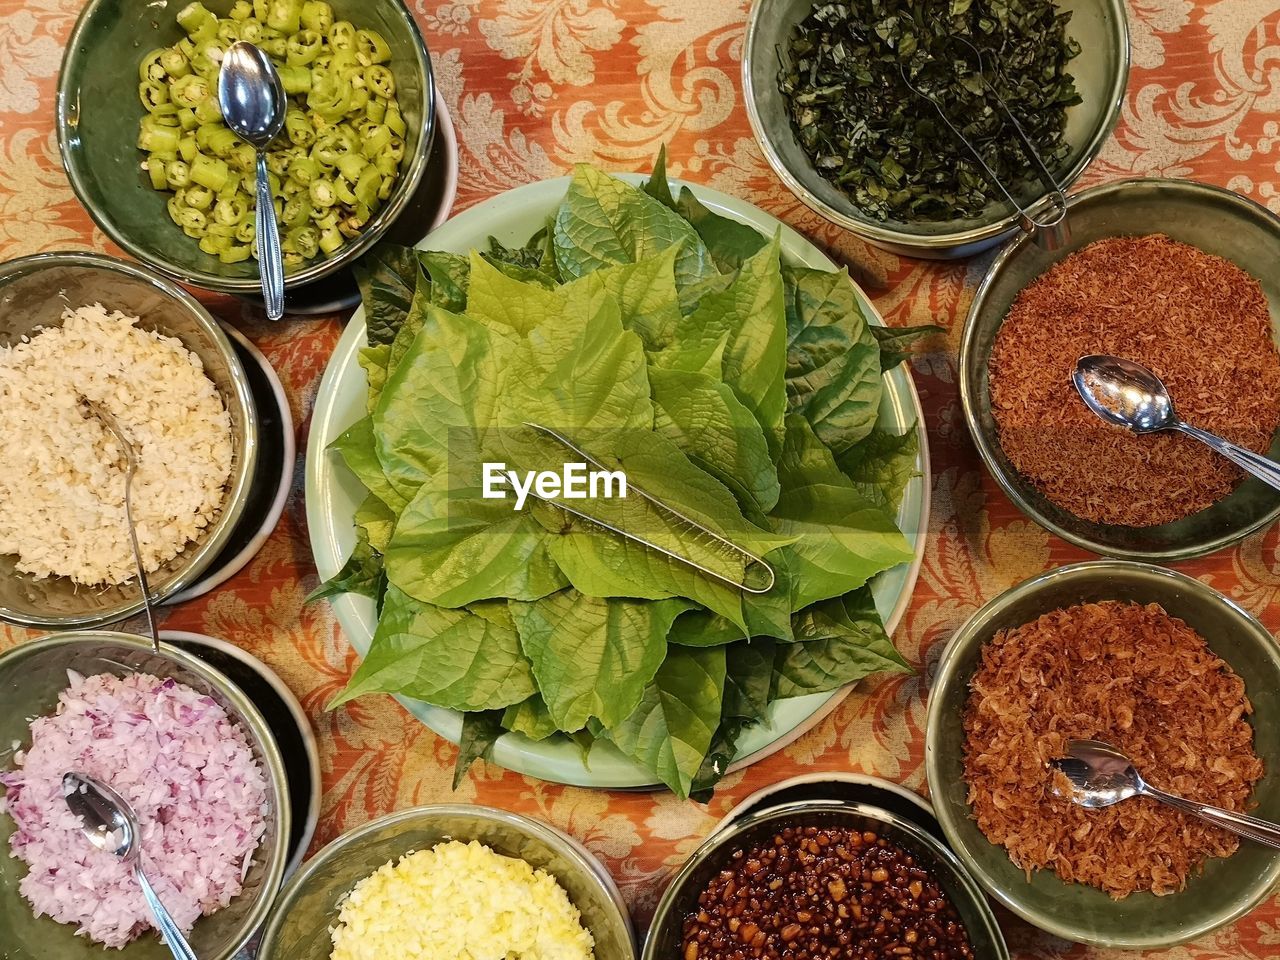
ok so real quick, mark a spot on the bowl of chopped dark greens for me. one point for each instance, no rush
(887, 119)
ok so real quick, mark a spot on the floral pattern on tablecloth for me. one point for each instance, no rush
(537, 85)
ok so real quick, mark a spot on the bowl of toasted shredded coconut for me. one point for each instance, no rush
(1160, 665)
(1177, 276)
(447, 882)
(77, 328)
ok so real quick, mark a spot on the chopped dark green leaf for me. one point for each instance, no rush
(844, 75)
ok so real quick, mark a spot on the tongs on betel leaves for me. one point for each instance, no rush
(756, 575)
(1044, 218)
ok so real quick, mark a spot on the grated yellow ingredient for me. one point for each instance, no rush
(459, 901)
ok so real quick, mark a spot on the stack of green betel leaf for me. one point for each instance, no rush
(738, 394)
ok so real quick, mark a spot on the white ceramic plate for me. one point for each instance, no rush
(333, 493)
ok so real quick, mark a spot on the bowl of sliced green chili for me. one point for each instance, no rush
(147, 153)
(854, 106)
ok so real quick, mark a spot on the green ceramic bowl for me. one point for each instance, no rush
(681, 896)
(32, 675)
(1101, 72)
(298, 928)
(1227, 889)
(33, 292)
(99, 110)
(1215, 220)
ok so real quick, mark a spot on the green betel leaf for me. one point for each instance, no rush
(356, 445)
(717, 432)
(731, 243)
(579, 374)
(838, 641)
(377, 521)
(833, 363)
(450, 276)
(593, 657)
(604, 564)
(657, 185)
(374, 361)
(749, 317)
(604, 221)
(413, 322)
(882, 464)
(648, 302)
(452, 547)
(844, 538)
(387, 276)
(671, 731)
(531, 718)
(449, 658)
(896, 342)
(510, 305)
(748, 678)
(362, 573)
(480, 731)
(445, 390)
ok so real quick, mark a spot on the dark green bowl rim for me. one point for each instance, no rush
(945, 675)
(987, 445)
(570, 848)
(724, 839)
(410, 176)
(238, 483)
(259, 730)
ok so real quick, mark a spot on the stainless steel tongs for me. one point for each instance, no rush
(764, 577)
(1045, 219)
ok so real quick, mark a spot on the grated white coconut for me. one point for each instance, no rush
(62, 485)
(459, 901)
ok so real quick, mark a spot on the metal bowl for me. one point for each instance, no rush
(1217, 221)
(98, 112)
(681, 897)
(32, 675)
(33, 293)
(1226, 889)
(299, 925)
(1101, 72)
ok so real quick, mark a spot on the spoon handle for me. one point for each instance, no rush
(270, 257)
(173, 937)
(1268, 471)
(1252, 828)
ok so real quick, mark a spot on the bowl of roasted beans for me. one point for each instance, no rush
(819, 879)
(147, 153)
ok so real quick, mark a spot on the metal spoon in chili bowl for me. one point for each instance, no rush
(1100, 775)
(1129, 395)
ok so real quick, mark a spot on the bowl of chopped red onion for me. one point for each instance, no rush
(188, 751)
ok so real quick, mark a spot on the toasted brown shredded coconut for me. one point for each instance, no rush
(1199, 321)
(1136, 678)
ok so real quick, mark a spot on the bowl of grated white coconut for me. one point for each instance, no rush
(449, 881)
(78, 327)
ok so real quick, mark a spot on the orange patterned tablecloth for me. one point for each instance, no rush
(536, 85)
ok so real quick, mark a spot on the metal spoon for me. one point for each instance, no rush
(1101, 775)
(1129, 395)
(253, 105)
(110, 824)
(103, 416)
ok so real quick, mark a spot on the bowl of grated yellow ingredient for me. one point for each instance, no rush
(450, 882)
